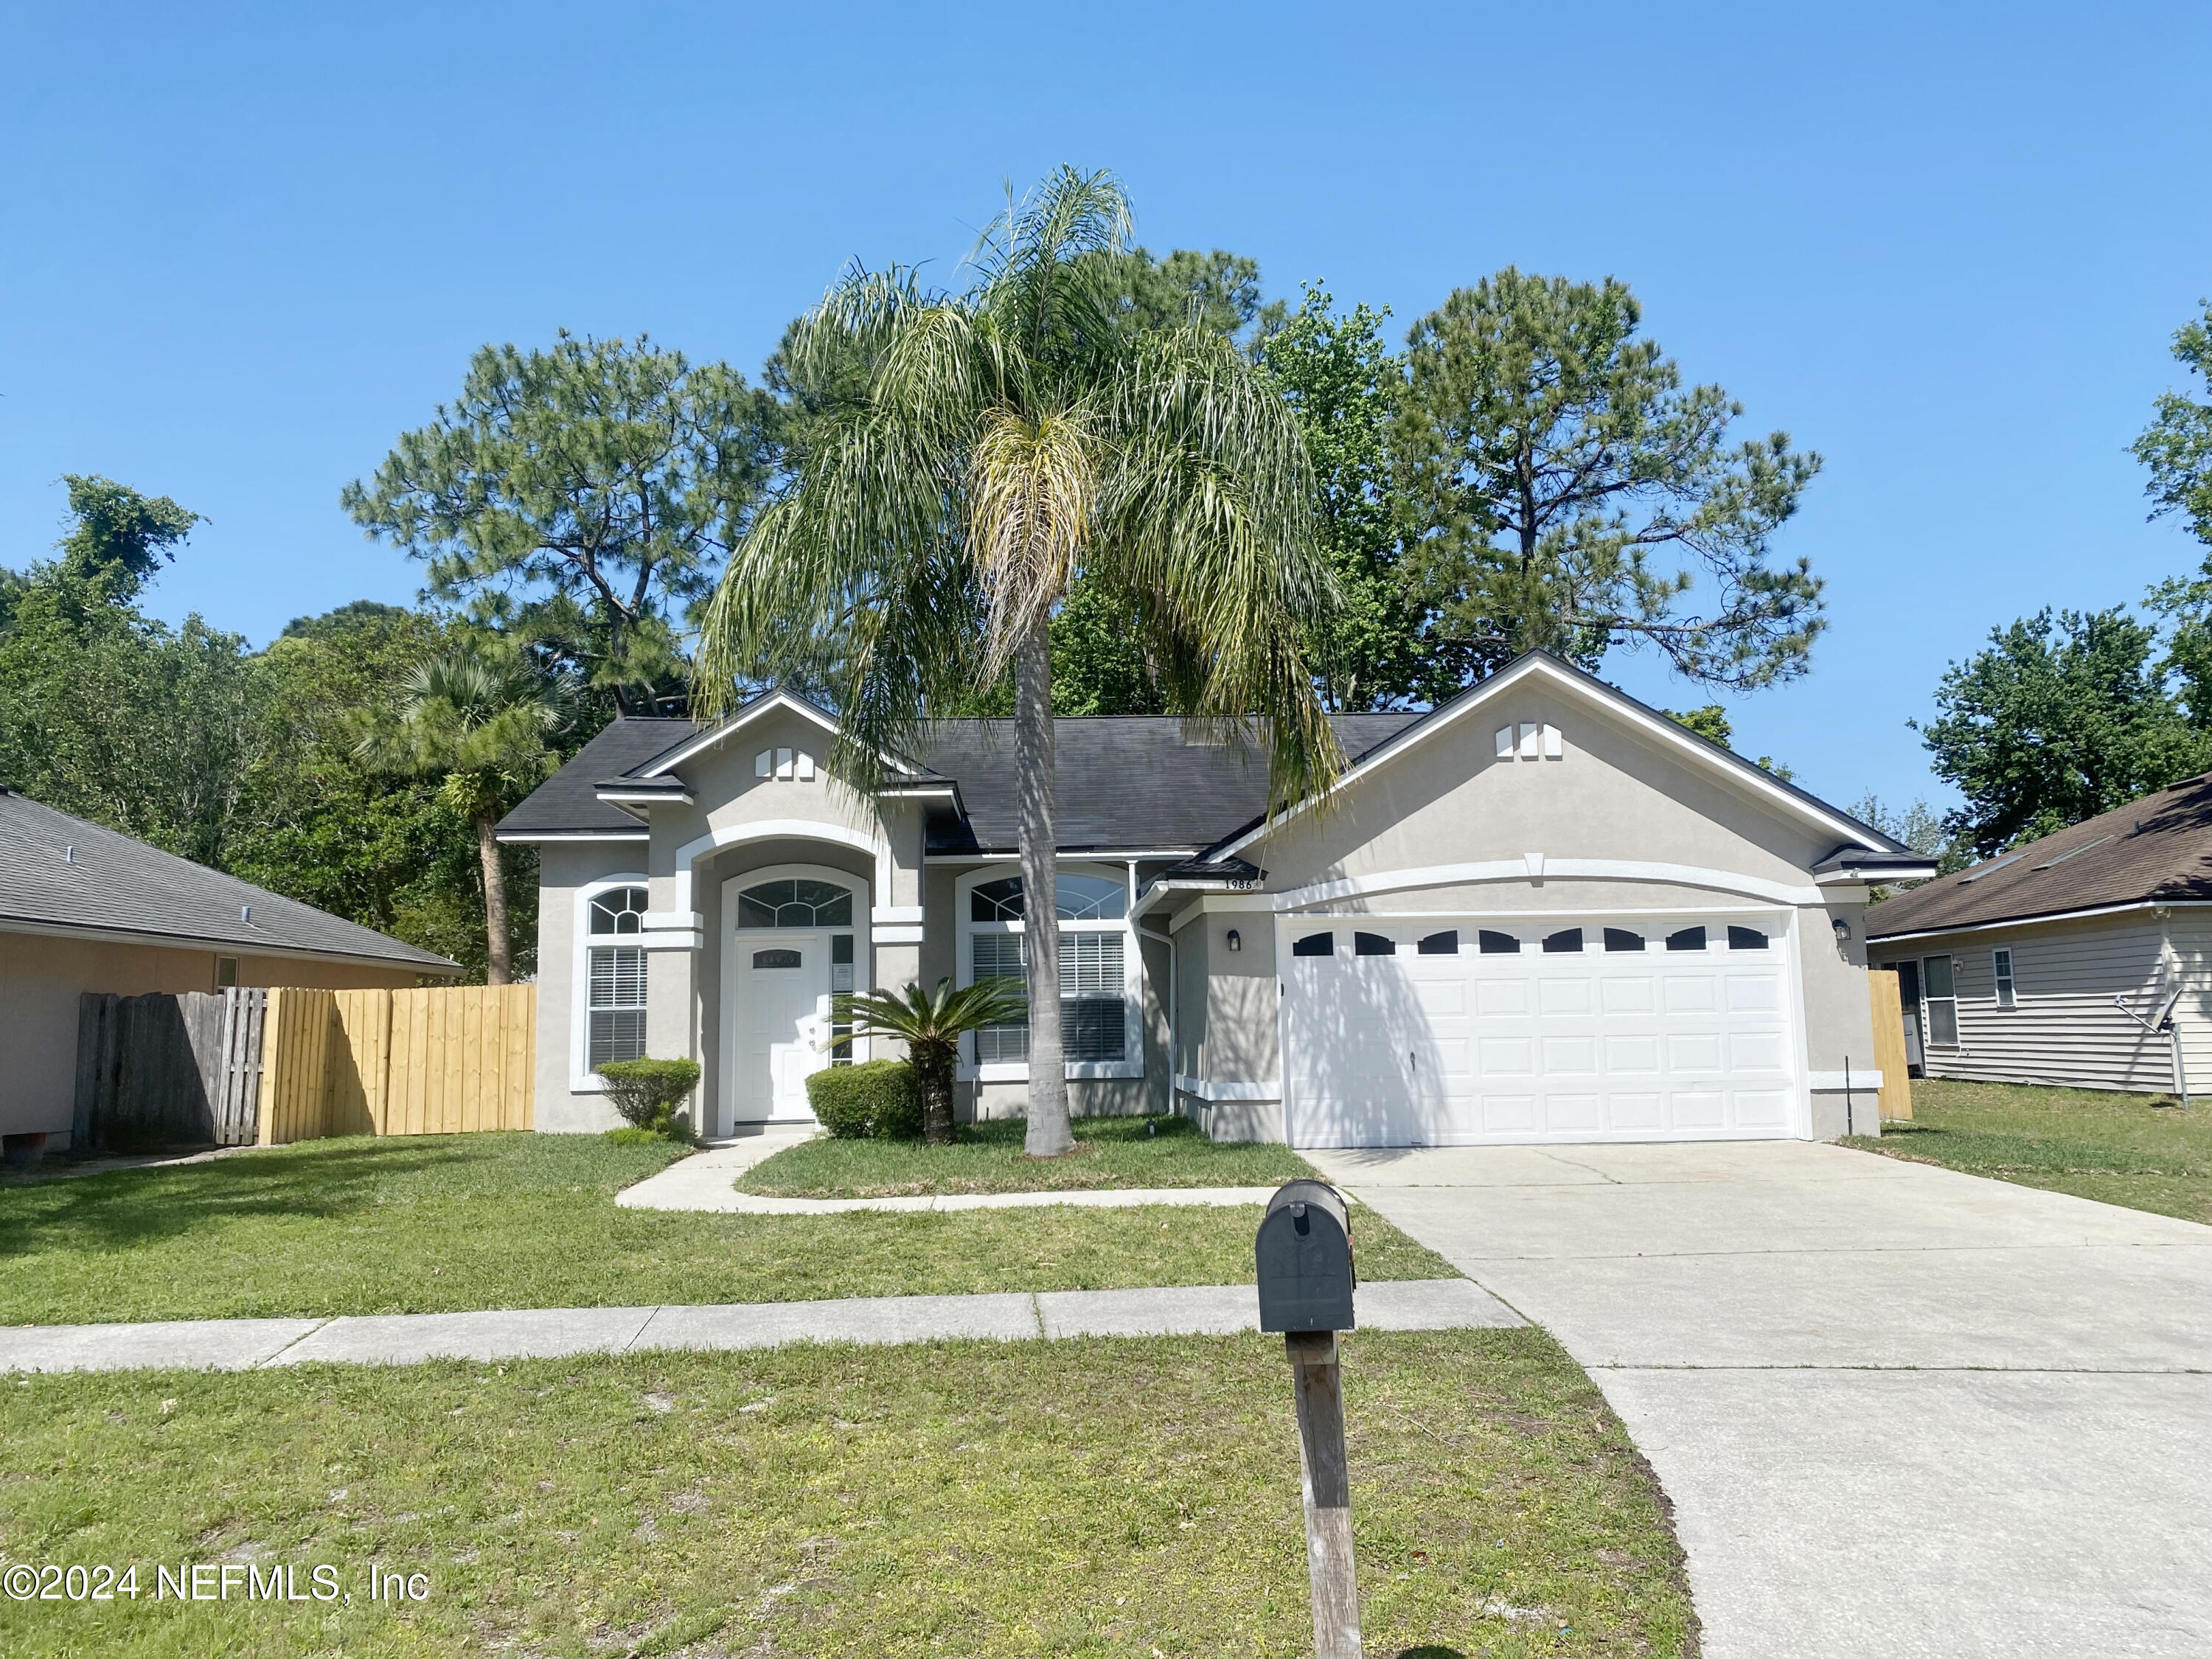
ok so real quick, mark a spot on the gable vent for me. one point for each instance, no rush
(1530, 741)
(790, 765)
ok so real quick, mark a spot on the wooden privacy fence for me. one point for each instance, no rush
(165, 1068)
(449, 1060)
(1888, 1008)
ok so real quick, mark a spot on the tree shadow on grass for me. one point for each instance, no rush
(323, 1180)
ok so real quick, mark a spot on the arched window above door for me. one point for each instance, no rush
(796, 903)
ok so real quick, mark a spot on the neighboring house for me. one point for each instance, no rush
(2051, 963)
(84, 908)
(1542, 912)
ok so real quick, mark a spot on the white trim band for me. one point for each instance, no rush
(1224, 1089)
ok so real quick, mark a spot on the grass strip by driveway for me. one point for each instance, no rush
(1099, 1498)
(448, 1223)
(2116, 1148)
(1109, 1152)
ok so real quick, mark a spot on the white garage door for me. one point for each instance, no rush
(1457, 1032)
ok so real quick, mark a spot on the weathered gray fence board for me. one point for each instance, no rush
(167, 1069)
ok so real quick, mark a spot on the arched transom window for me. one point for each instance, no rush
(615, 977)
(796, 903)
(1094, 954)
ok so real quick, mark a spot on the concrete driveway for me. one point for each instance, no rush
(1900, 1410)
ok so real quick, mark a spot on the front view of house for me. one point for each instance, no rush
(1540, 913)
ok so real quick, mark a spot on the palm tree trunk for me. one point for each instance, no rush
(1035, 765)
(498, 967)
(933, 1064)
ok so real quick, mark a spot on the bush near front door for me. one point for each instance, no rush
(877, 1099)
(646, 1092)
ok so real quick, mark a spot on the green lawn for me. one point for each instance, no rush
(450, 1224)
(2117, 1148)
(1136, 1497)
(1110, 1152)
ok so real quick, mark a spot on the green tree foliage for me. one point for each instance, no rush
(1218, 291)
(930, 1023)
(1377, 650)
(2059, 719)
(2177, 445)
(1011, 440)
(481, 719)
(109, 714)
(580, 500)
(1554, 455)
(1710, 722)
(318, 823)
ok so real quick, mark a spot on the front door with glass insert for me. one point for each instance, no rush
(791, 954)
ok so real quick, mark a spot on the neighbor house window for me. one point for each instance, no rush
(226, 972)
(2001, 965)
(1941, 993)
(615, 977)
(1095, 954)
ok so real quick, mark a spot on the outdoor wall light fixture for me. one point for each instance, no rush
(1843, 931)
(1236, 940)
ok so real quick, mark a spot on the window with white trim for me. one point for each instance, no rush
(1095, 954)
(2000, 968)
(1940, 991)
(614, 977)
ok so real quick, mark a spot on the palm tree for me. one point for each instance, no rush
(479, 716)
(930, 1023)
(969, 456)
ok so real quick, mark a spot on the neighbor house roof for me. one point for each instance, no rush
(1126, 783)
(2158, 849)
(64, 873)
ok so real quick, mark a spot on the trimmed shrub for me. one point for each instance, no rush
(646, 1093)
(877, 1098)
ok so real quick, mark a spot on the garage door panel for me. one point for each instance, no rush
(1750, 994)
(1534, 1046)
(1761, 1109)
(1626, 1055)
(1691, 994)
(1508, 1112)
(1570, 1057)
(1694, 1051)
(1756, 1051)
(1637, 1111)
(1631, 993)
(1574, 1112)
(1697, 1110)
(1564, 996)
(1498, 997)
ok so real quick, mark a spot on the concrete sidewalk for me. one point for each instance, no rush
(708, 1180)
(1901, 1412)
(240, 1345)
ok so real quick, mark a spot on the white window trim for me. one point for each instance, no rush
(2004, 984)
(864, 961)
(1132, 1063)
(582, 1079)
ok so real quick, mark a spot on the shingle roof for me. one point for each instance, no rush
(63, 872)
(567, 802)
(2156, 848)
(1126, 783)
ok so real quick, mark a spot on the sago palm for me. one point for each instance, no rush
(971, 455)
(930, 1023)
(478, 717)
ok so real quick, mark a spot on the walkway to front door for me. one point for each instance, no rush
(1900, 1410)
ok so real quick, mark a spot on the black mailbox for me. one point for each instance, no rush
(1304, 1255)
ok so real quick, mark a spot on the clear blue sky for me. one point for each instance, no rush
(240, 250)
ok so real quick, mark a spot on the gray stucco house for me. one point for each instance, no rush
(2083, 959)
(1541, 913)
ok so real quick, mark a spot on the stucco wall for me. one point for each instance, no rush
(41, 979)
(563, 867)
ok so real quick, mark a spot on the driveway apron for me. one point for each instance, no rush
(1900, 1410)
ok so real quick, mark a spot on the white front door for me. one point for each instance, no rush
(1626, 1029)
(783, 1014)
